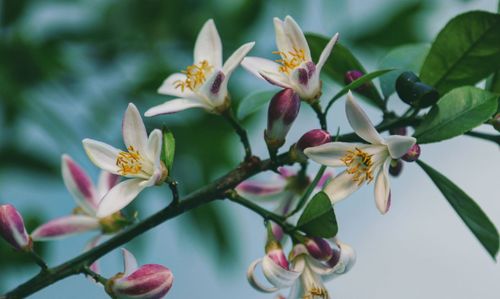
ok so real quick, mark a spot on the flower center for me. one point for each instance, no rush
(291, 60)
(196, 75)
(359, 163)
(316, 292)
(129, 162)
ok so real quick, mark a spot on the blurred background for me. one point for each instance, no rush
(68, 69)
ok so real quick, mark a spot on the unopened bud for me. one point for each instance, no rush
(395, 168)
(495, 122)
(398, 131)
(275, 254)
(319, 248)
(12, 228)
(313, 138)
(353, 75)
(283, 110)
(146, 282)
(414, 92)
(412, 154)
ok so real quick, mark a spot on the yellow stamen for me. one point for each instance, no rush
(129, 162)
(316, 292)
(291, 60)
(359, 163)
(196, 75)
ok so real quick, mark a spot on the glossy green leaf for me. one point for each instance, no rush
(457, 112)
(472, 215)
(466, 51)
(318, 218)
(254, 102)
(404, 58)
(168, 148)
(340, 61)
(357, 83)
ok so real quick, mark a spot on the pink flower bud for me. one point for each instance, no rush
(150, 281)
(412, 154)
(395, 168)
(313, 138)
(283, 110)
(319, 248)
(353, 75)
(277, 231)
(12, 228)
(276, 254)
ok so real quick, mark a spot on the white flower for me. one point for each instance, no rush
(140, 162)
(306, 276)
(295, 69)
(87, 197)
(204, 83)
(364, 162)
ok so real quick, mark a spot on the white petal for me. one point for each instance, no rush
(208, 45)
(360, 122)
(282, 42)
(235, 59)
(154, 147)
(79, 185)
(326, 52)
(277, 275)
(319, 267)
(64, 227)
(174, 106)
(102, 155)
(214, 90)
(253, 280)
(168, 87)
(129, 262)
(266, 69)
(341, 186)
(133, 129)
(382, 189)
(329, 154)
(399, 145)
(296, 37)
(106, 182)
(120, 196)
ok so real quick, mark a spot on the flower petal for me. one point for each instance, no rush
(120, 196)
(330, 154)
(382, 189)
(296, 37)
(326, 52)
(64, 227)
(129, 262)
(253, 280)
(102, 155)
(214, 90)
(360, 122)
(79, 185)
(399, 145)
(235, 59)
(168, 87)
(174, 106)
(277, 275)
(260, 188)
(154, 147)
(106, 181)
(341, 186)
(266, 69)
(133, 129)
(208, 45)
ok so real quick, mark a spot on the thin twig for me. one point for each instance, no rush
(231, 119)
(98, 278)
(319, 113)
(485, 136)
(38, 260)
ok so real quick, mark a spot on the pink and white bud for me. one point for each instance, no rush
(353, 75)
(412, 154)
(150, 281)
(277, 231)
(283, 110)
(313, 138)
(319, 248)
(275, 253)
(12, 228)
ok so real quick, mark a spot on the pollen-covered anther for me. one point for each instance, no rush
(359, 163)
(129, 162)
(316, 292)
(196, 75)
(291, 60)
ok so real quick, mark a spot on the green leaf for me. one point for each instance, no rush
(168, 149)
(475, 219)
(457, 112)
(254, 102)
(340, 61)
(355, 84)
(318, 218)
(464, 52)
(404, 58)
